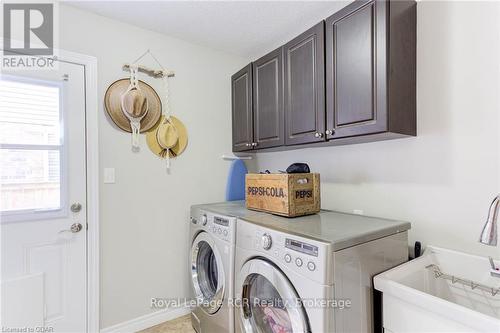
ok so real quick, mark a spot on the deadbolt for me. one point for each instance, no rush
(76, 207)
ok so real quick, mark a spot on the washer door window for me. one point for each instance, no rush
(207, 273)
(270, 304)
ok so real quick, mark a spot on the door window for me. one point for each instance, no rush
(31, 149)
(207, 270)
(207, 273)
(268, 311)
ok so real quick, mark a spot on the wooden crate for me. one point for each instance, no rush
(283, 194)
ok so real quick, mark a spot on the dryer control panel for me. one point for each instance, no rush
(308, 257)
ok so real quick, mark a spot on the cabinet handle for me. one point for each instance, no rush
(248, 145)
(318, 135)
(330, 132)
(254, 144)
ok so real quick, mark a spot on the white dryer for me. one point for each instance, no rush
(312, 273)
(211, 263)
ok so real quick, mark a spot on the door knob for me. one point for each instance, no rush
(248, 144)
(254, 144)
(75, 227)
(76, 207)
(318, 135)
(330, 132)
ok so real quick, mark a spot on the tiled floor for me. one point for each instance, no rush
(179, 325)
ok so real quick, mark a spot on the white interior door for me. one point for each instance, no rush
(43, 219)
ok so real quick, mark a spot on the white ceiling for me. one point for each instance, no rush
(245, 28)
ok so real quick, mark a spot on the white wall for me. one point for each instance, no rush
(444, 179)
(144, 216)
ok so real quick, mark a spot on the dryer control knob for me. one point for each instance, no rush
(298, 262)
(204, 219)
(311, 266)
(267, 241)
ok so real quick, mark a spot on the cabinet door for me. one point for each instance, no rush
(356, 70)
(241, 97)
(305, 87)
(268, 100)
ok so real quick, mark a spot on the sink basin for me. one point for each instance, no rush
(416, 299)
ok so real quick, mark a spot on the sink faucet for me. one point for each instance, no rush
(489, 234)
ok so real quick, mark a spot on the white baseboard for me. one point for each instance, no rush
(146, 321)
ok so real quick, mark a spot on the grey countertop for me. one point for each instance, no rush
(341, 230)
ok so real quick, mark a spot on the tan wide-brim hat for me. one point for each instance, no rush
(112, 103)
(180, 132)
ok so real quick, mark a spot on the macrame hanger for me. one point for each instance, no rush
(164, 75)
(141, 56)
(157, 74)
(135, 122)
(166, 109)
(167, 113)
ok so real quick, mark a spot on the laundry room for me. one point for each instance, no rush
(250, 166)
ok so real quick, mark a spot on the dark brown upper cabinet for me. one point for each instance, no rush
(241, 96)
(371, 69)
(304, 81)
(349, 79)
(268, 100)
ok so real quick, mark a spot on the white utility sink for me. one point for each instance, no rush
(416, 298)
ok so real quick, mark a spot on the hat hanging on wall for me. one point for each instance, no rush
(134, 102)
(168, 138)
(134, 106)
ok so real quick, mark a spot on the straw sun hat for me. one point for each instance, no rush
(168, 136)
(143, 102)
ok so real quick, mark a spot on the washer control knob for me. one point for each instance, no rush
(267, 241)
(193, 220)
(225, 232)
(288, 258)
(311, 266)
(298, 262)
(204, 219)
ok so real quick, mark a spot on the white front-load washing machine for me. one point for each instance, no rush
(313, 273)
(211, 263)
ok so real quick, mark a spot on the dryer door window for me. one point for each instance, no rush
(269, 301)
(207, 273)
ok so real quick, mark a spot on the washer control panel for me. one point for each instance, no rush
(307, 257)
(221, 227)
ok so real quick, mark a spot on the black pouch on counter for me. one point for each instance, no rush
(298, 168)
